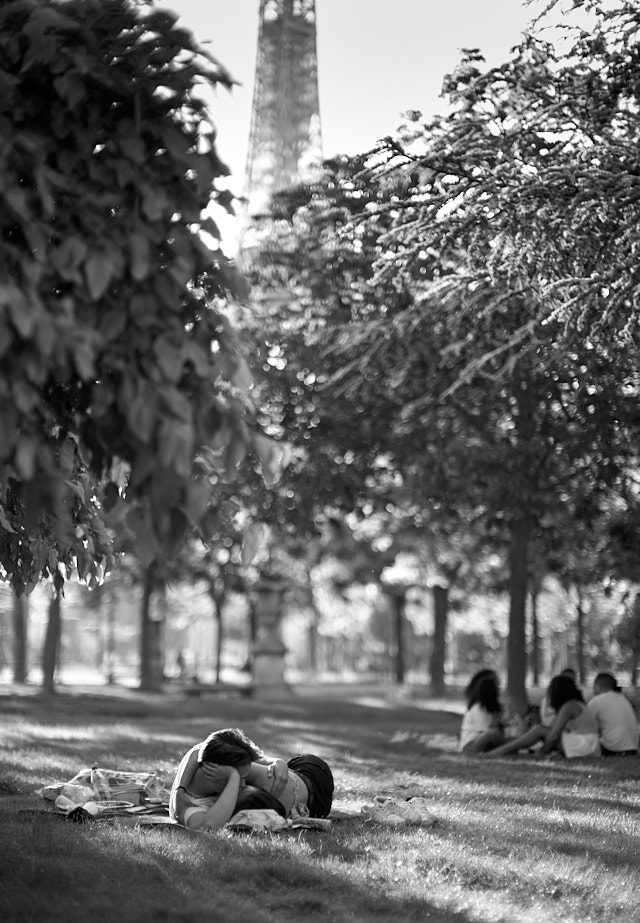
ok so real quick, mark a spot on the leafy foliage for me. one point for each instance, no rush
(462, 283)
(118, 366)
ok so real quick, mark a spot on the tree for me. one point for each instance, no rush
(20, 620)
(51, 648)
(628, 636)
(587, 213)
(118, 365)
(423, 267)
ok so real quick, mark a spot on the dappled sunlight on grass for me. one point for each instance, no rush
(375, 703)
(40, 733)
(517, 839)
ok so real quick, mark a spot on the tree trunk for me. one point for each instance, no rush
(312, 646)
(438, 651)
(579, 636)
(397, 604)
(218, 600)
(151, 667)
(535, 638)
(20, 621)
(51, 645)
(516, 644)
(110, 645)
(312, 632)
(253, 632)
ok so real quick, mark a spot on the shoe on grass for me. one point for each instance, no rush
(394, 813)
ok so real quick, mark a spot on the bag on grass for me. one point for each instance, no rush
(94, 784)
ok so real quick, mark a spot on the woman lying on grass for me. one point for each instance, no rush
(227, 773)
(573, 733)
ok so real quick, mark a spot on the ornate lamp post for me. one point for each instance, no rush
(269, 650)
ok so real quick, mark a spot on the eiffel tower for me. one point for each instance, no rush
(285, 141)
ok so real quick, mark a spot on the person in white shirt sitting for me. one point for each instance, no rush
(481, 727)
(547, 714)
(615, 717)
(573, 733)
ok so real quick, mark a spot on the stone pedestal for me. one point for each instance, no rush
(269, 649)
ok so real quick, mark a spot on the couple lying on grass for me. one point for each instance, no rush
(568, 727)
(227, 773)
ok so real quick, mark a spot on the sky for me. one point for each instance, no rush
(376, 59)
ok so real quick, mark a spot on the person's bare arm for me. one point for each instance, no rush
(270, 774)
(188, 770)
(568, 711)
(219, 813)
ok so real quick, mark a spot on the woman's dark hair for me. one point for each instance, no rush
(229, 747)
(470, 690)
(485, 693)
(562, 689)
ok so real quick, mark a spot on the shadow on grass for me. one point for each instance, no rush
(60, 872)
(527, 808)
(123, 732)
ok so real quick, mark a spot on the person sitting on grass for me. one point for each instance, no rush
(614, 716)
(547, 714)
(481, 725)
(227, 773)
(574, 732)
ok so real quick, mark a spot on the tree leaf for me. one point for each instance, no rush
(25, 457)
(270, 456)
(198, 495)
(4, 522)
(99, 270)
(71, 88)
(140, 255)
(234, 454)
(67, 457)
(177, 142)
(242, 377)
(169, 358)
(176, 444)
(68, 256)
(22, 316)
(83, 354)
(253, 542)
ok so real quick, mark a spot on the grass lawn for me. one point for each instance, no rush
(519, 839)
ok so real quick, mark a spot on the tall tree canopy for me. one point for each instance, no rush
(470, 288)
(117, 364)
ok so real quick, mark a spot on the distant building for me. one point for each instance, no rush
(285, 141)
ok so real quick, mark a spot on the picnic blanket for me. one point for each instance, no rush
(95, 793)
(142, 798)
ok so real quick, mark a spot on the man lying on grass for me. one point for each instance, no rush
(227, 773)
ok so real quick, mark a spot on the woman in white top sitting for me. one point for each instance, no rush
(614, 716)
(547, 714)
(573, 733)
(481, 725)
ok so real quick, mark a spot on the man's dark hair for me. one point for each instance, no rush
(607, 681)
(229, 747)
